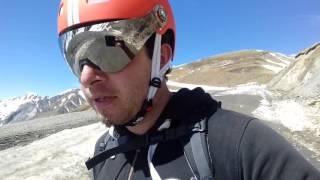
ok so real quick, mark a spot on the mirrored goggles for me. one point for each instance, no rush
(109, 46)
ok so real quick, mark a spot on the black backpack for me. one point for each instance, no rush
(193, 137)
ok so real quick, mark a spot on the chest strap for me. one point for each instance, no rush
(127, 143)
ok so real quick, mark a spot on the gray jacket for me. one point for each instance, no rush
(241, 147)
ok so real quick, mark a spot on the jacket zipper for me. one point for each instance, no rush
(131, 172)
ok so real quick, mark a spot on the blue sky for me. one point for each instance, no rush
(31, 60)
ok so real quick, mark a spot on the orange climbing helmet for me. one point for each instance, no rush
(85, 25)
(79, 13)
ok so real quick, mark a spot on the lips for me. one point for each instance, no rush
(104, 102)
(102, 99)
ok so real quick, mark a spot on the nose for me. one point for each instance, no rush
(90, 75)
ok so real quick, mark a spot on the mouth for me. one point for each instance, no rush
(103, 99)
(103, 102)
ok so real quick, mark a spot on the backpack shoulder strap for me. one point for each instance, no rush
(100, 146)
(102, 142)
(196, 151)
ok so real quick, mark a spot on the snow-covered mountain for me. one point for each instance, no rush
(31, 105)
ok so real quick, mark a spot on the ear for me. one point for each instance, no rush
(166, 54)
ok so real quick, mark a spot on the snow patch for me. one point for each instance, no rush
(67, 91)
(251, 88)
(72, 102)
(272, 68)
(179, 66)
(222, 63)
(283, 58)
(62, 102)
(48, 158)
(287, 112)
(71, 95)
(277, 63)
(192, 86)
(81, 94)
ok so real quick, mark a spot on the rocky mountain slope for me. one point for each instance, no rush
(232, 68)
(300, 83)
(301, 78)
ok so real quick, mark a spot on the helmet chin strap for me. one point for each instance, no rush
(155, 83)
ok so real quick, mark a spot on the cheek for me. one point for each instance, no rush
(135, 90)
(137, 86)
(137, 79)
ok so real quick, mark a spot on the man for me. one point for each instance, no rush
(121, 50)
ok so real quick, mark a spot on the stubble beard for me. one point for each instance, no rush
(109, 120)
(128, 114)
(102, 116)
(103, 119)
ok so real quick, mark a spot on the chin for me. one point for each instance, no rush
(103, 119)
(109, 121)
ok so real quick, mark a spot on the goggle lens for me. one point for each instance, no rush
(110, 46)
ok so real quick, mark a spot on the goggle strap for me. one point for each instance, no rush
(155, 69)
(156, 58)
(157, 73)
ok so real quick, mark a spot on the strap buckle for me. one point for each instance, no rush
(156, 82)
(200, 126)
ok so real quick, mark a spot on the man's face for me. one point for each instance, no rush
(117, 97)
